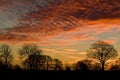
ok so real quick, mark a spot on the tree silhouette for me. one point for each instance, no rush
(2, 66)
(29, 49)
(87, 64)
(96, 66)
(34, 58)
(47, 59)
(17, 67)
(73, 66)
(35, 62)
(81, 66)
(115, 65)
(5, 55)
(67, 67)
(101, 51)
(58, 64)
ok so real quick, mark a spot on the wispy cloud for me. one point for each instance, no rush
(63, 38)
(61, 25)
(66, 55)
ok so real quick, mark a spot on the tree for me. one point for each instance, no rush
(29, 49)
(47, 59)
(34, 62)
(67, 67)
(2, 66)
(6, 56)
(58, 64)
(87, 64)
(73, 66)
(96, 66)
(115, 65)
(102, 51)
(81, 66)
(16, 67)
(33, 56)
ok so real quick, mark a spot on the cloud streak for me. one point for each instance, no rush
(65, 25)
(66, 55)
(61, 27)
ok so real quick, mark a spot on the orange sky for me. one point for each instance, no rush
(63, 29)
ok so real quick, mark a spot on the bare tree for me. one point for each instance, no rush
(58, 64)
(33, 56)
(29, 49)
(6, 56)
(35, 62)
(47, 59)
(102, 51)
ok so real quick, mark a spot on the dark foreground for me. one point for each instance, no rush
(59, 75)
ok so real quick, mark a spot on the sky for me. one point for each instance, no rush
(63, 29)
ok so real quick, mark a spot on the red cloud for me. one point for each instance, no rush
(90, 30)
(65, 24)
(84, 37)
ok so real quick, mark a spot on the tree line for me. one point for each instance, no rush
(98, 57)
(33, 59)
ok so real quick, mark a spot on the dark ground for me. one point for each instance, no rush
(59, 75)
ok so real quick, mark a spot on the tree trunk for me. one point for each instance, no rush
(103, 64)
(56, 66)
(31, 65)
(47, 65)
(6, 62)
